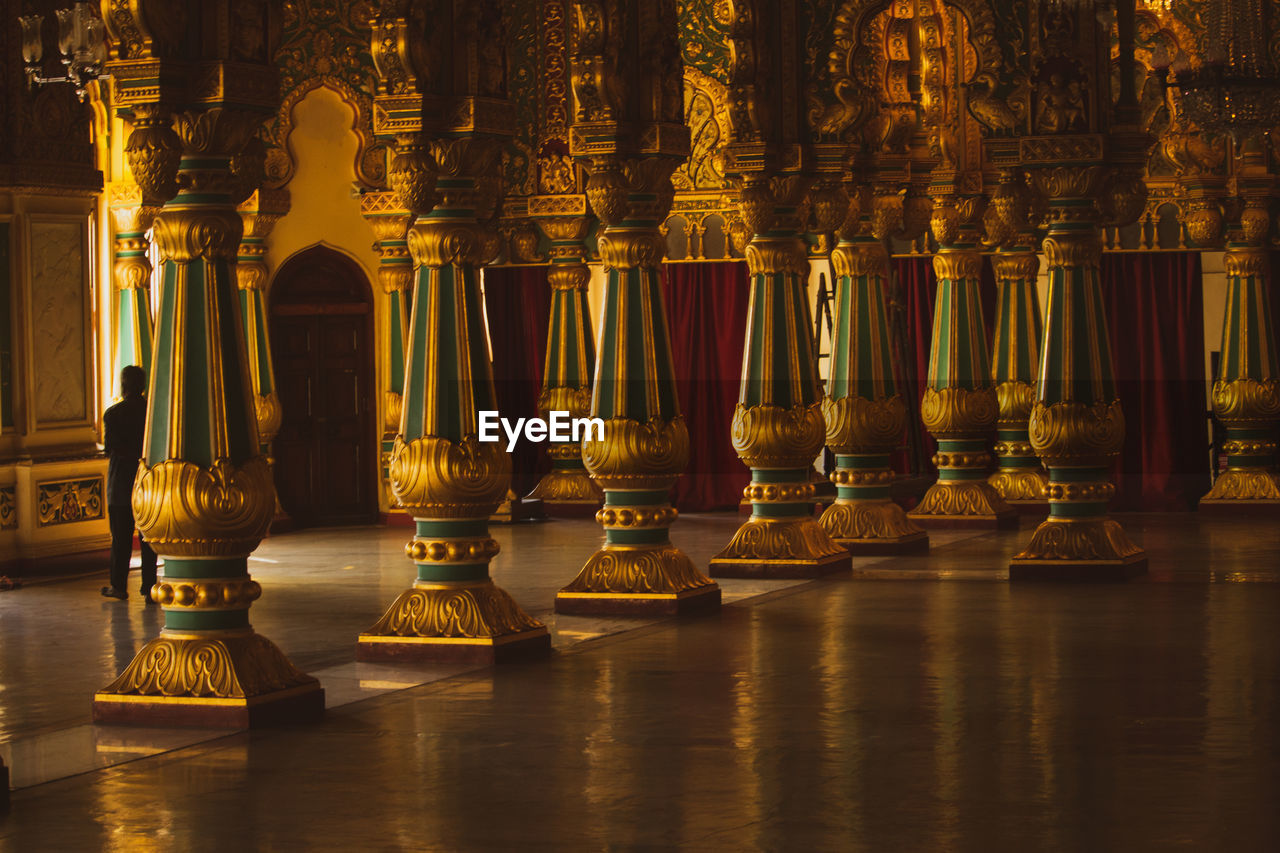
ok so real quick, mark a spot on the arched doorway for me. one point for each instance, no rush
(322, 348)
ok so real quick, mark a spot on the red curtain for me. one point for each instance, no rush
(913, 291)
(518, 305)
(1155, 308)
(707, 312)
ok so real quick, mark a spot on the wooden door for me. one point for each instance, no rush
(326, 451)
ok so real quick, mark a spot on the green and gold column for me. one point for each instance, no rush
(567, 489)
(1246, 391)
(259, 213)
(1019, 478)
(959, 407)
(390, 223)
(864, 411)
(777, 424)
(645, 444)
(441, 472)
(131, 274)
(1077, 425)
(203, 496)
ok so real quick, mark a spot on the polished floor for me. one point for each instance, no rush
(890, 710)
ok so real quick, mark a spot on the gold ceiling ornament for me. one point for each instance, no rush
(153, 151)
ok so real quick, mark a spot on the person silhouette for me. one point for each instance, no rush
(123, 427)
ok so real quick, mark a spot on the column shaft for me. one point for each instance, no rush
(1246, 391)
(567, 489)
(131, 274)
(959, 406)
(1019, 478)
(777, 424)
(864, 411)
(645, 443)
(1076, 425)
(203, 496)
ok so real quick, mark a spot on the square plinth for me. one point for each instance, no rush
(302, 704)
(1030, 509)
(699, 600)
(918, 544)
(780, 569)
(525, 645)
(1079, 571)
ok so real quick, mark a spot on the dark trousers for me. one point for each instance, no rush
(121, 521)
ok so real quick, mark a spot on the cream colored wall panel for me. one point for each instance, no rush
(59, 329)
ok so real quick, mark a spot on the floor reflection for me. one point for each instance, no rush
(862, 714)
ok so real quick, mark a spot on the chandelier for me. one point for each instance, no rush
(81, 41)
(1234, 89)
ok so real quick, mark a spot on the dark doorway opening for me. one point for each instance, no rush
(322, 347)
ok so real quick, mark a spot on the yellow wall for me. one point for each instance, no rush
(324, 206)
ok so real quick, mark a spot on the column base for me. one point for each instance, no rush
(227, 681)
(456, 622)
(1094, 549)
(873, 528)
(794, 547)
(963, 504)
(568, 493)
(1238, 488)
(621, 580)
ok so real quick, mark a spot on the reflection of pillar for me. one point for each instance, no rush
(1246, 391)
(567, 489)
(959, 407)
(777, 424)
(203, 497)
(1077, 425)
(646, 443)
(131, 272)
(1020, 479)
(448, 480)
(390, 222)
(865, 414)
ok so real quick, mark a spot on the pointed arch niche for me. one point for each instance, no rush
(324, 202)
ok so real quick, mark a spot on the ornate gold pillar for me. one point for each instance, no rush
(450, 115)
(777, 424)
(628, 130)
(441, 472)
(203, 497)
(567, 489)
(645, 444)
(390, 222)
(1246, 391)
(1019, 478)
(864, 411)
(131, 274)
(959, 407)
(1077, 424)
